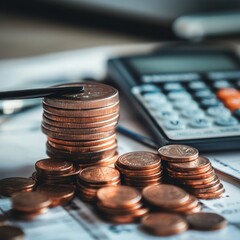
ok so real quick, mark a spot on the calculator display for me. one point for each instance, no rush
(173, 63)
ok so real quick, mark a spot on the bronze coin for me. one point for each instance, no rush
(27, 216)
(189, 173)
(84, 143)
(139, 160)
(83, 112)
(30, 201)
(197, 181)
(9, 186)
(96, 185)
(164, 224)
(178, 153)
(208, 189)
(200, 163)
(206, 221)
(140, 181)
(11, 233)
(211, 195)
(165, 196)
(190, 205)
(206, 185)
(99, 174)
(54, 166)
(95, 95)
(144, 177)
(197, 209)
(118, 196)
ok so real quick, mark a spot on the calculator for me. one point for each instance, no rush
(186, 95)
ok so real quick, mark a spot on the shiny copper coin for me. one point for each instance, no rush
(178, 153)
(211, 195)
(211, 189)
(54, 166)
(139, 181)
(164, 224)
(206, 221)
(200, 163)
(84, 143)
(139, 160)
(82, 120)
(197, 181)
(79, 125)
(30, 201)
(97, 185)
(99, 174)
(27, 216)
(83, 112)
(191, 204)
(165, 196)
(9, 186)
(197, 209)
(95, 95)
(11, 233)
(144, 177)
(189, 173)
(206, 185)
(118, 196)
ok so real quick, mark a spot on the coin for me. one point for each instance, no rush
(198, 181)
(95, 95)
(188, 206)
(211, 195)
(11, 233)
(9, 186)
(206, 221)
(3, 219)
(165, 196)
(30, 201)
(178, 153)
(118, 196)
(164, 224)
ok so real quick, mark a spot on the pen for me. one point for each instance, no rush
(137, 137)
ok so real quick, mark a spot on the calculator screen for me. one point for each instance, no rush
(172, 63)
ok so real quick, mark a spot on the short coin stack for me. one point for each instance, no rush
(140, 169)
(91, 179)
(55, 171)
(120, 204)
(191, 171)
(82, 127)
(170, 198)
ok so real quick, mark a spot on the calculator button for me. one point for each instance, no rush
(154, 96)
(174, 124)
(197, 85)
(226, 93)
(155, 105)
(171, 115)
(182, 104)
(226, 121)
(206, 93)
(200, 123)
(149, 88)
(172, 87)
(210, 102)
(221, 84)
(192, 113)
(233, 103)
(218, 111)
(179, 95)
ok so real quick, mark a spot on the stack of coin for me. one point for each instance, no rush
(59, 194)
(170, 198)
(82, 127)
(9, 186)
(191, 171)
(120, 204)
(55, 171)
(140, 169)
(28, 205)
(91, 179)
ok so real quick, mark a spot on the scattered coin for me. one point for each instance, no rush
(11, 233)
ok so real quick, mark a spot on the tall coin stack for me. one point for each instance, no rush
(82, 127)
(140, 169)
(191, 171)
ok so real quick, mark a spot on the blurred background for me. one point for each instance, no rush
(43, 26)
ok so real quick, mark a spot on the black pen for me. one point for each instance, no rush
(137, 137)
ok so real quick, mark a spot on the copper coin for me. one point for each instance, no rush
(191, 204)
(11, 233)
(164, 224)
(118, 196)
(79, 125)
(208, 189)
(197, 209)
(95, 95)
(144, 177)
(139, 160)
(27, 216)
(206, 221)
(197, 181)
(139, 181)
(54, 166)
(84, 112)
(84, 143)
(206, 185)
(190, 173)
(165, 196)
(82, 120)
(178, 153)
(59, 194)
(99, 174)
(30, 201)
(96, 185)
(200, 163)
(9, 186)
(211, 195)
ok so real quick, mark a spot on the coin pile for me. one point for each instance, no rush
(91, 179)
(55, 171)
(9, 186)
(82, 127)
(28, 205)
(140, 169)
(191, 171)
(170, 198)
(120, 204)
